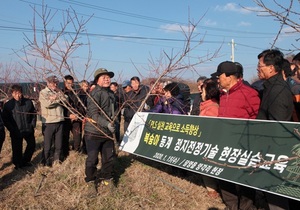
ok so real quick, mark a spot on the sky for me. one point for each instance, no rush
(134, 37)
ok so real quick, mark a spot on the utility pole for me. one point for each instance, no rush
(232, 50)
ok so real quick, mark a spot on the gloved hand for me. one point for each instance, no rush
(111, 128)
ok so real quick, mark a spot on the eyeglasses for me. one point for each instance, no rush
(261, 66)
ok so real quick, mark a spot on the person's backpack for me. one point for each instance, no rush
(186, 93)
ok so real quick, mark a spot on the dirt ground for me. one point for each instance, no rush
(139, 184)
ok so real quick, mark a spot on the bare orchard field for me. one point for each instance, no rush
(140, 184)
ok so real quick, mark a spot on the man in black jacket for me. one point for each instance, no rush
(277, 97)
(19, 117)
(197, 100)
(72, 112)
(114, 87)
(83, 93)
(2, 132)
(134, 100)
(99, 131)
(276, 103)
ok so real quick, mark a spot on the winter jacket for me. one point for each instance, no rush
(209, 108)
(74, 106)
(2, 132)
(196, 104)
(1, 122)
(295, 88)
(134, 101)
(241, 101)
(169, 106)
(52, 111)
(277, 100)
(83, 96)
(19, 116)
(97, 120)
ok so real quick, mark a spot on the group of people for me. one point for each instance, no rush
(274, 97)
(93, 115)
(59, 115)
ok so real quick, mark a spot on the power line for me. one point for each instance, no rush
(157, 19)
(117, 11)
(123, 36)
(22, 29)
(152, 19)
(7, 21)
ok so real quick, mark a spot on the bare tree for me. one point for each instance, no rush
(172, 65)
(285, 12)
(9, 74)
(50, 50)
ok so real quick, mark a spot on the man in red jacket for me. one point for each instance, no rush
(237, 101)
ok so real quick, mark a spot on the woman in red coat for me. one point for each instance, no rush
(210, 99)
(210, 107)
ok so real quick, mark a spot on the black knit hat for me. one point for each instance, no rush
(173, 88)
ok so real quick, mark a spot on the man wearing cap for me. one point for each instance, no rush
(237, 101)
(52, 101)
(126, 86)
(99, 130)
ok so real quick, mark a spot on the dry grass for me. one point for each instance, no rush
(141, 184)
